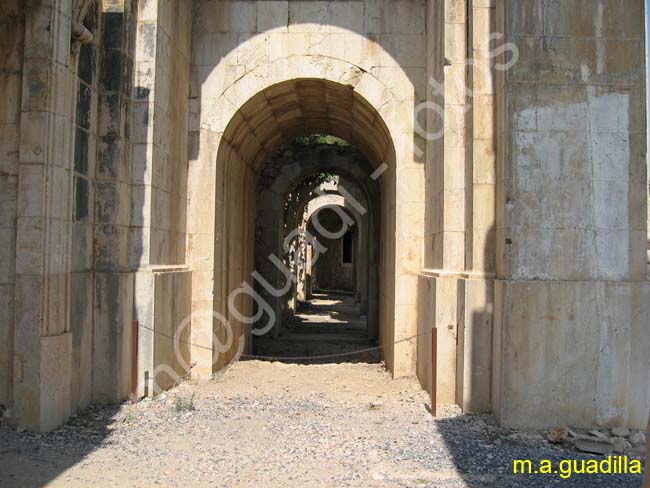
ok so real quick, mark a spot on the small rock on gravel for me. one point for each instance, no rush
(637, 439)
(557, 435)
(620, 431)
(594, 445)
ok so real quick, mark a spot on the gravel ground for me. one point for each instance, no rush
(275, 424)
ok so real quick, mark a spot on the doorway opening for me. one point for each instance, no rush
(318, 214)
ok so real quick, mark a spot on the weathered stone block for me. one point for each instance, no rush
(6, 344)
(586, 357)
(272, 15)
(313, 16)
(398, 17)
(81, 327)
(55, 373)
(8, 197)
(474, 361)
(455, 11)
(113, 315)
(29, 239)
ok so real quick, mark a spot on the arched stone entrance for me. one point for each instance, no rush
(128, 182)
(252, 118)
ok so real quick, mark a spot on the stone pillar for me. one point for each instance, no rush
(447, 184)
(11, 76)
(159, 178)
(475, 292)
(42, 337)
(573, 300)
(114, 281)
(480, 169)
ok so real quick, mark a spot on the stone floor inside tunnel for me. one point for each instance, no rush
(330, 324)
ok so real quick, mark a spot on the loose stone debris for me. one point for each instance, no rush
(619, 440)
(279, 425)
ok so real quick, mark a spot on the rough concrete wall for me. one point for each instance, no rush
(574, 179)
(571, 221)
(11, 51)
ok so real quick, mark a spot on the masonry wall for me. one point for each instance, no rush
(540, 248)
(159, 191)
(160, 133)
(237, 44)
(572, 326)
(113, 279)
(455, 289)
(42, 334)
(11, 50)
(558, 214)
(82, 258)
(70, 322)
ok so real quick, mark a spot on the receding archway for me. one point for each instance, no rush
(273, 116)
(300, 179)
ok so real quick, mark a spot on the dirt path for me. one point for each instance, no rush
(279, 425)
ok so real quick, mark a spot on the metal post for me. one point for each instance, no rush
(434, 368)
(134, 362)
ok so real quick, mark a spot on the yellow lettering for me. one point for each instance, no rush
(635, 466)
(524, 466)
(545, 466)
(565, 468)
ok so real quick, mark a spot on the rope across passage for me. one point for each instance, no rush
(293, 358)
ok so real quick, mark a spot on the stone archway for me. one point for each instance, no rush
(245, 125)
(366, 276)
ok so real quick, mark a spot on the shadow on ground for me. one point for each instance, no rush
(484, 454)
(33, 460)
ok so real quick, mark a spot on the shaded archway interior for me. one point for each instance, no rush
(321, 187)
(325, 313)
(260, 127)
(299, 107)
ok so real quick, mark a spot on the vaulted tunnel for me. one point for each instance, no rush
(273, 117)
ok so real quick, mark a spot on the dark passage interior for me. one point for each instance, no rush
(316, 241)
